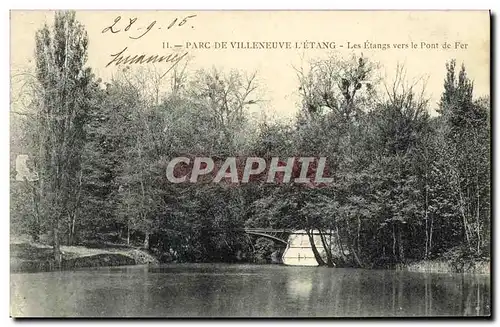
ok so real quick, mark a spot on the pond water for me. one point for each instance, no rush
(234, 290)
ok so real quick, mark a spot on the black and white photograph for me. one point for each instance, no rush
(250, 164)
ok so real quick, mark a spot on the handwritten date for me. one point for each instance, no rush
(120, 25)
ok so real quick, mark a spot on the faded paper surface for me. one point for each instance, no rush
(406, 195)
(412, 38)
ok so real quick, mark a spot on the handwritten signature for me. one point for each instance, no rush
(131, 26)
(173, 59)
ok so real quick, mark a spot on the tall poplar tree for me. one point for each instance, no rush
(61, 53)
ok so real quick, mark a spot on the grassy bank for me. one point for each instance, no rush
(35, 257)
(439, 266)
(27, 256)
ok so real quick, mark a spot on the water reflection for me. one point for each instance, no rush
(247, 290)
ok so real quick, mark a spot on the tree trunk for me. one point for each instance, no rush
(128, 234)
(356, 258)
(340, 245)
(68, 240)
(146, 241)
(73, 214)
(357, 234)
(430, 234)
(71, 229)
(400, 244)
(394, 242)
(56, 246)
(317, 256)
(73, 222)
(35, 231)
(427, 236)
(464, 218)
(327, 247)
(477, 213)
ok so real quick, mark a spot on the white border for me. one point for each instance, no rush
(185, 4)
(256, 4)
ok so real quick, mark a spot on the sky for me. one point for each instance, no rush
(428, 30)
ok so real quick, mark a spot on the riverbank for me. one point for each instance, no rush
(27, 256)
(37, 257)
(441, 266)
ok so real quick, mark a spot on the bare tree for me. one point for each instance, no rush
(227, 97)
(343, 86)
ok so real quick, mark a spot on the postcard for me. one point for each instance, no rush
(250, 164)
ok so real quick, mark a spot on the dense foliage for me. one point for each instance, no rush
(407, 185)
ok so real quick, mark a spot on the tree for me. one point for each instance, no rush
(465, 152)
(343, 86)
(406, 186)
(66, 96)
